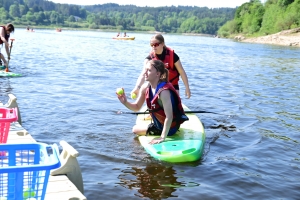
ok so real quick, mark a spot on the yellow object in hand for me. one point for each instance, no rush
(120, 91)
(133, 95)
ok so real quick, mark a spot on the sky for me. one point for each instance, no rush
(157, 3)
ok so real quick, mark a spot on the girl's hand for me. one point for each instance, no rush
(122, 97)
(157, 140)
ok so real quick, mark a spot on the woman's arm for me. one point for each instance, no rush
(141, 79)
(184, 78)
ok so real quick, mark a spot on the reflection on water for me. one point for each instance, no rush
(155, 181)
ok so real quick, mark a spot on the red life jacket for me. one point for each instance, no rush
(6, 36)
(157, 111)
(169, 64)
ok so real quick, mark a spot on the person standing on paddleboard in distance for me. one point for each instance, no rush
(5, 32)
(172, 62)
(163, 103)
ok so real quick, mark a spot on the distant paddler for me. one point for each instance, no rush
(5, 32)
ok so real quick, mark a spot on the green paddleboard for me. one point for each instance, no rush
(186, 145)
(8, 74)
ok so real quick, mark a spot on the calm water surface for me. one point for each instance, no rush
(67, 92)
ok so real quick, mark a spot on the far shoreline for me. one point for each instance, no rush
(108, 30)
(283, 38)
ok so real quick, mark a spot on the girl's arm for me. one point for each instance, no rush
(165, 97)
(137, 105)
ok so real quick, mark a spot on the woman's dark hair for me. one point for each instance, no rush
(10, 27)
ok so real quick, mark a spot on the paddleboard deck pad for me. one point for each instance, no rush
(186, 145)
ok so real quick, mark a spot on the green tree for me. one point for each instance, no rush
(273, 13)
(30, 16)
(23, 9)
(253, 18)
(188, 25)
(91, 18)
(14, 10)
(292, 16)
(147, 17)
(229, 28)
(39, 17)
(284, 2)
(3, 15)
(71, 18)
(54, 17)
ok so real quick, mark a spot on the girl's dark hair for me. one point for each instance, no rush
(160, 67)
(10, 27)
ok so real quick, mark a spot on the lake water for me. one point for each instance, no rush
(67, 92)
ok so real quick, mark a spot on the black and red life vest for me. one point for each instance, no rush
(169, 64)
(157, 112)
(6, 36)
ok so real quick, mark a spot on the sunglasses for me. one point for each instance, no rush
(155, 45)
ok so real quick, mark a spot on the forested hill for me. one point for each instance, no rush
(181, 19)
(256, 18)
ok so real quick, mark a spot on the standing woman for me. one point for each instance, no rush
(172, 62)
(5, 32)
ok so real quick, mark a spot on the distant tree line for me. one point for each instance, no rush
(263, 19)
(181, 19)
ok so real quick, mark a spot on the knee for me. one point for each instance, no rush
(134, 130)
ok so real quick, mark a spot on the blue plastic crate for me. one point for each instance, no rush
(25, 170)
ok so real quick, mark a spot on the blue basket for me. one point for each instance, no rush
(25, 170)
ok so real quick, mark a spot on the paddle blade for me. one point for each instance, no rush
(6, 69)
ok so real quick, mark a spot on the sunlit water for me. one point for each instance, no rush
(67, 92)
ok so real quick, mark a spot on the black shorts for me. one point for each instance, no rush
(153, 130)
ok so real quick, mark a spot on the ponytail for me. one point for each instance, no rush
(165, 76)
(160, 67)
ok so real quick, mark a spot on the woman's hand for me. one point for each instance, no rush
(157, 140)
(188, 93)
